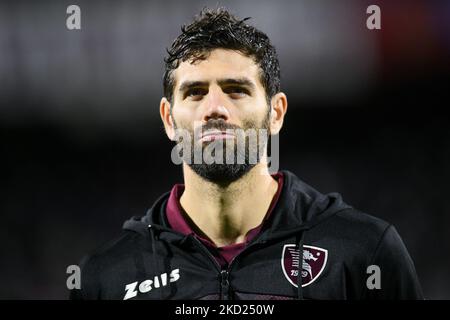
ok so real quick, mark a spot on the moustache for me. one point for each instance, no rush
(214, 126)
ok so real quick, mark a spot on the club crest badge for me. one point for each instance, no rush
(313, 263)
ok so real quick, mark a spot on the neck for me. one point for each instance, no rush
(226, 213)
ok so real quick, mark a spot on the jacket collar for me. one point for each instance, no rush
(299, 208)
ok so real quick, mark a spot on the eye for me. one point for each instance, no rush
(195, 93)
(236, 92)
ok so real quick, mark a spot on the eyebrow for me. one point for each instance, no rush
(228, 81)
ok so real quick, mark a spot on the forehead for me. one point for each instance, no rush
(220, 63)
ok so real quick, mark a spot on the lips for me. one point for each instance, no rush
(213, 135)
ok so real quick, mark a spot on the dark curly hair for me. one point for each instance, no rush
(217, 28)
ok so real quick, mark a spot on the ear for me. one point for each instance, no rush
(279, 108)
(164, 111)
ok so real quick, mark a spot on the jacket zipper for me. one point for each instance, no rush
(224, 273)
(224, 285)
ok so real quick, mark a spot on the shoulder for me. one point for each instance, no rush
(113, 250)
(358, 222)
(386, 252)
(355, 235)
(103, 263)
(361, 241)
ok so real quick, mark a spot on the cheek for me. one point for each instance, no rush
(256, 116)
(183, 116)
(187, 121)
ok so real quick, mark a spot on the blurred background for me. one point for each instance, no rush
(82, 147)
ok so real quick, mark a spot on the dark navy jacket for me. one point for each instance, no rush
(346, 254)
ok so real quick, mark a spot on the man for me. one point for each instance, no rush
(233, 230)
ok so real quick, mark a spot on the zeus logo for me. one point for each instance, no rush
(145, 286)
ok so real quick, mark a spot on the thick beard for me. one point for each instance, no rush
(226, 173)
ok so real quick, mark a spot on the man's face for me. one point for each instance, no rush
(214, 97)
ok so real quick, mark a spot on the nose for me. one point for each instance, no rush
(215, 106)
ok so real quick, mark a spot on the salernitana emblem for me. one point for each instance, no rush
(313, 260)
